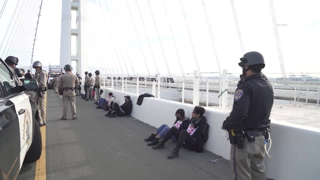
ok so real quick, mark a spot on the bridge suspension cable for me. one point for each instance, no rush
(235, 17)
(9, 26)
(16, 27)
(147, 37)
(35, 35)
(211, 35)
(277, 37)
(122, 39)
(173, 39)
(115, 43)
(138, 38)
(3, 8)
(98, 46)
(22, 31)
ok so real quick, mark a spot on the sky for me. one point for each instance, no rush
(155, 35)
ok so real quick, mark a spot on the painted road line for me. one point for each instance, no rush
(41, 167)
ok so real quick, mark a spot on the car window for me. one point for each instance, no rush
(8, 83)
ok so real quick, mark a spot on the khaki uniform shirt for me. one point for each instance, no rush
(98, 81)
(68, 80)
(41, 77)
(90, 82)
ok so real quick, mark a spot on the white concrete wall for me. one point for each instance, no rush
(295, 149)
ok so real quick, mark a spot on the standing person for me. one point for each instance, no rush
(41, 96)
(78, 90)
(86, 80)
(28, 75)
(23, 72)
(97, 86)
(12, 62)
(55, 83)
(248, 124)
(68, 82)
(90, 85)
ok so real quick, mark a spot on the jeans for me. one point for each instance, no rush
(102, 101)
(163, 130)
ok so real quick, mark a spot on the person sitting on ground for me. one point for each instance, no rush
(124, 110)
(105, 103)
(191, 138)
(181, 123)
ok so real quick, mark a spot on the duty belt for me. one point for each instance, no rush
(66, 89)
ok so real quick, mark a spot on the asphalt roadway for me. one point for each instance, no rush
(95, 147)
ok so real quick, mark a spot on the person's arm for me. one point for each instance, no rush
(240, 108)
(42, 81)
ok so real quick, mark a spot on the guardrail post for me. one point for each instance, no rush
(127, 83)
(295, 94)
(318, 96)
(159, 86)
(195, 88)
(111, 82)
(182, 92)
(137, 84)
(154, 88)
(307, 95)
(224, 101)
(145, 83)
(122, 84)
(207, 94)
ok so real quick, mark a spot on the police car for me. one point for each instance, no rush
(20, 136)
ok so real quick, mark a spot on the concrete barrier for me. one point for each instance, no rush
(295, 149)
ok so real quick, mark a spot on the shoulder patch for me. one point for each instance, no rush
(238, 94)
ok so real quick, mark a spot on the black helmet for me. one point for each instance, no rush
(37, 64)
(18, 72)
(97, 72)
(86, 72)
(90, 74)
(12, 60)
(252, 58)
(67, 67)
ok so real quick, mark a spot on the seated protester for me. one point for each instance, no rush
(124, 110)
(190, 138)
(181, 123)
(105, 103)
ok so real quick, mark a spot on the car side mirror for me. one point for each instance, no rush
(30, 84)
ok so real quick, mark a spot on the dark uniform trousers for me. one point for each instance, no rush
(247, 163)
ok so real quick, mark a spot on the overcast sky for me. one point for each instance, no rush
(298, 24)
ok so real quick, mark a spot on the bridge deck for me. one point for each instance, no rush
(96, 147)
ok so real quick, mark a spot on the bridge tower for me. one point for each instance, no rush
(77, 59)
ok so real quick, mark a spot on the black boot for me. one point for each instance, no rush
(160, 145)
(150, 138)
(174, 154)
(154, 142)
(109, 113)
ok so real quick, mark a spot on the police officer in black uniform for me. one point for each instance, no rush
(248, 124)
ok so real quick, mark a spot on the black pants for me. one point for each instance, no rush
(86, 91)
(183, 137)
(116, 108)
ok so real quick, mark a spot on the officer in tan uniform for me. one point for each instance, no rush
(68, 82)
(97, 85)
(55, 83)
(41, 96)
(90, 84)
